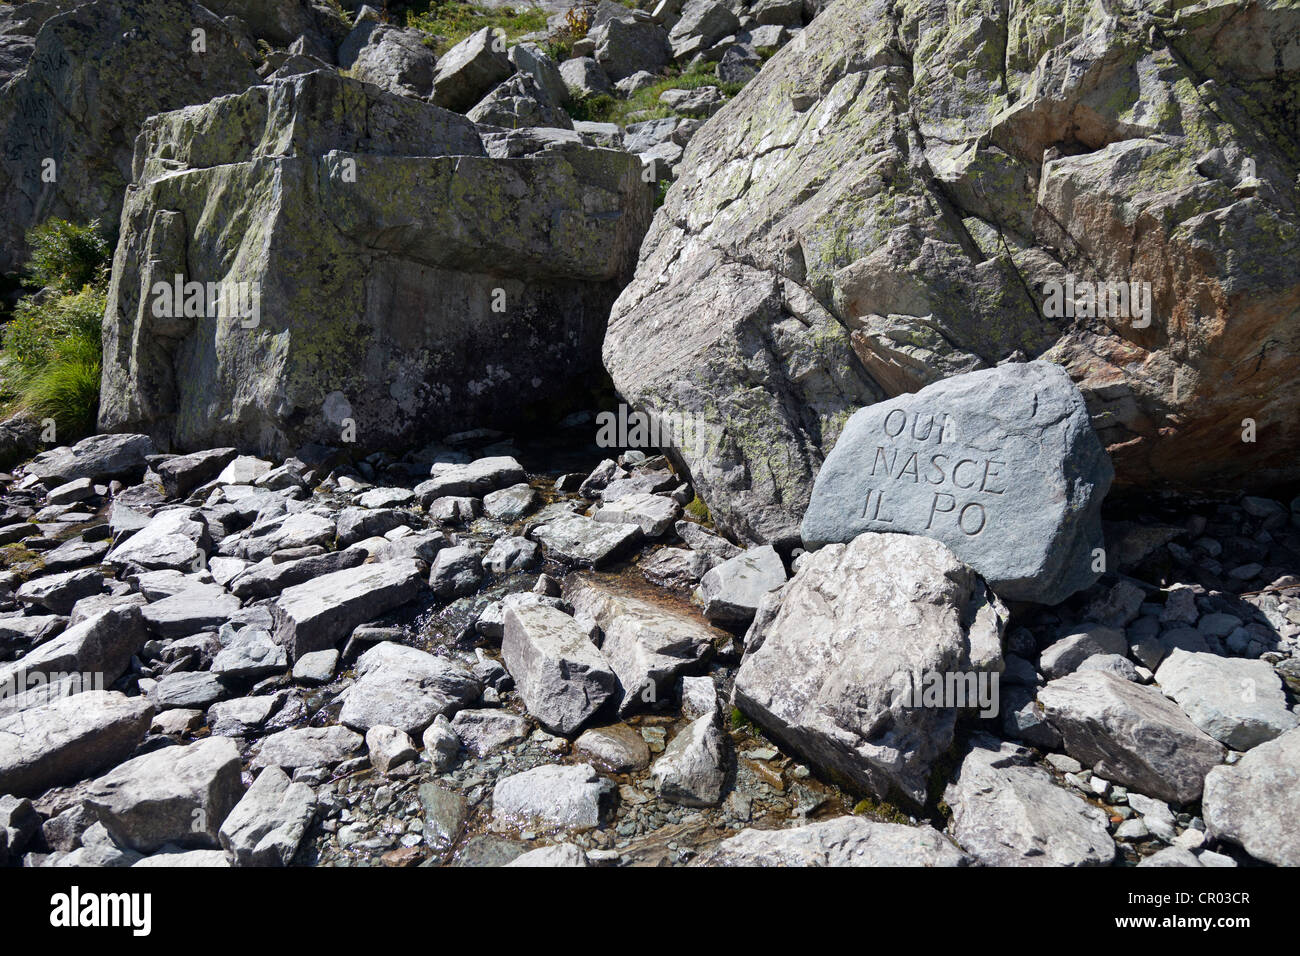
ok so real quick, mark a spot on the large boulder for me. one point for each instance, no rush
(922, 193)
(90, 83)
(377, 242)
(1001, 465)
(1131, 734)
(844, 672)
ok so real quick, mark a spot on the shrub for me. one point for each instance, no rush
(66, 256)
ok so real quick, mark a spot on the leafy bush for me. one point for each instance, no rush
(66, 256)
(50, 350)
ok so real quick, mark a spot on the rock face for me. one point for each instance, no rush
(861, 627)
(1130, 734)
(1254, 802)
(918, 183)
(472, 285)
(91, 82)
(843, 841)
(1002, 465)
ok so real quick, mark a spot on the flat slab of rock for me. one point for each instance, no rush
(267, 579)
(99, 458)
(472, 480)
(860, 627)
(176, 539)
(1002, 465)
(843, 841)
(653, 514)
(308, 747)
(1240, 703)
(569, 797)
(69, 739)
(561, 676)
(184, 473)
(1130, 734)
(1255, 802)
(178, 795)
(1007, 812)
(318, 614)
(101, 645)
(202, 607)
(404, 687)
(585, 541)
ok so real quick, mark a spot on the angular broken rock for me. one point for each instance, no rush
(308, 747)
(1238, 702)
(468, 70)
(692, 769)
(184, 473)
(179, 795)
(569, 797)
(69, 739)
(1066, 655)
(585, 541)
(99, 458)
(406, 688)
(389, 747)
(843, 841)
(560, 675)
(473, 480)
(1007, 812)
(268, 579)
(862, 629)
(1130, 734)
(1001, 465)
(60, 592)
(270, 820)
(318, 614)
(484, 732)
(559, 855)
(618, 749)
(100, 647)
(653, 514)
(1255, 802)
(731, 592)
(647, 645)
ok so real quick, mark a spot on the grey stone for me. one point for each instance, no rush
(317, 667)
(586, 542)
(441, 744)
(864, 625)
(1175, 856)
(699, 539)
(839, 842)
(307, 747)
(731, 592)
(518, 103)
(356, 524)
(317, 614)
(267, 579)
(1253, 803)
(468, 70)
(250, 653)
(389, 747)
(456, 571)
(570, 797)
(617, 749)
(702, 24)
(454, 509)
(559, 674)
(99, 458)
(1006, 812)
(692, 768)
(1064, 656)
(1240, 703)
(511, 554)
(647, 645)
(176, 539)
(474, 479)
(179, 795)
(183, 473)
(531, 59)
(60, 592)
(69, 739)
(187, 689)
(653, 514)
(1115, 664)
(559, 855)
(445, 815)
(584, 77)
(102, 645)
(1002, 465)
(406, 688)
(267, 825)
(394, 60)
(1130, 734)
(242, 716)
(198, 608)
(624, 47)
(484, 732)
(677, 568)
(512, 503)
